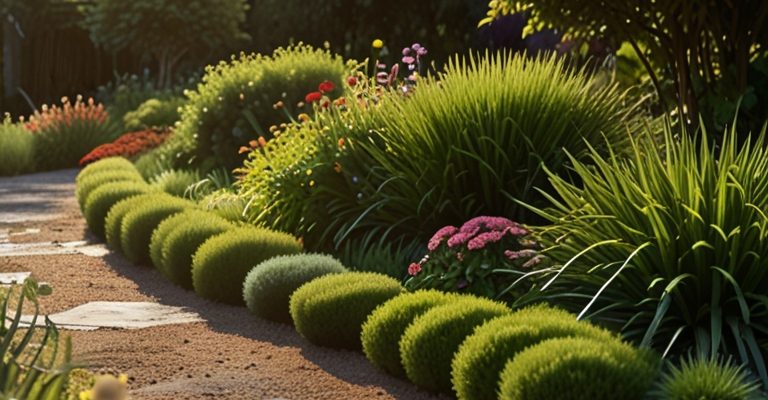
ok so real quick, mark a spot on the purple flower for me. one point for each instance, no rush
(393, 74)
(382, 78)
(442, 233)
(483, 239)
(422, 51)
(517, 230)
(407, 51)
(458, 239)
(416, 47)
(490, 223)
(409, 60)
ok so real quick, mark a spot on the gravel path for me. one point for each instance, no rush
(232, 355)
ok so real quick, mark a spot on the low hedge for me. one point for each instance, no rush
(330, 310)
(160, 234)
(99, 178)
(180, 246)
(481, 358)
(579, 368)
(385, 326)
(113, 222)
(269, 285)
(99, 201)
(429, 343)
(106, 164)
(138, 225)
(221, 263)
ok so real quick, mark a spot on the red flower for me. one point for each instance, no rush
(326, 86)
(414, 269)
(313, 97)
(352, 81)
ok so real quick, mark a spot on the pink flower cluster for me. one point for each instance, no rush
(476, 233)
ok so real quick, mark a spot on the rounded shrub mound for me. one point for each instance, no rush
(221, 263)
(430, 341)
(96, 179)
(479, 361)
(105, 164)
(707, 379)
(577, 369)
(385, 326)
(330, 310)
(160, 234)
(138, 225)
(114, 221)
(182, 242)
(99, 201)
(268, 287)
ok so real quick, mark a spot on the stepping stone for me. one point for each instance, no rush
(8, 278)
(52, 248)
(118, 315)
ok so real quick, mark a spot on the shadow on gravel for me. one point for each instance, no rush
(239, 321)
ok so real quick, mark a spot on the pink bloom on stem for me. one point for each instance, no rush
(442, 233)
(490, 223)
(483, 239)
(458, 239)
(414, 269)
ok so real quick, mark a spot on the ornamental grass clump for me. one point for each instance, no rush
(669, 246)
(707, 379)
(17, 149)
(100, 201)
(330, 310)
(578, 368)
(485, 256)
(138, 224)
(428, 345)
(478, 363)
(268, 287)
(386, 324)
(175, 182)
(64, 134)
(221, 263)
(181, 243)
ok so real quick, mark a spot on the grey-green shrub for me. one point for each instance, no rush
(478, 363)
(221, 263)
(93, 180)
(99, 201)
(138, 224)
(180, 246)
(385, 326)
(707, 379)
(175, 182)
(17, 149)
(154, 113)
(105, 164)
(578, 369)
(429, 343)
(330, 310)
(114, 221)
(268, 287)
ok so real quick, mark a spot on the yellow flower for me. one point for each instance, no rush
(123, 378)
(377, 44)
(85, 395)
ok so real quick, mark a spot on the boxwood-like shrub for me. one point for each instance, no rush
(180, 245)
(268, 287)
(430, 341)
(385, 326)
(113, 222)
(577, 369)
(165, 228)
(221, 263)
(106, 164)
(99, 201)
(330, 310)
(138, 225)
(90, 182)
(481, 358)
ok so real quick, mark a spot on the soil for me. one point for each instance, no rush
(232, 355)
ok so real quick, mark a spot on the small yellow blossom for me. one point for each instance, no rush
(377, 44)
(85, 395)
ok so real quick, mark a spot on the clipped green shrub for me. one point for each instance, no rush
(385, 326)
(180, 245)
(154, 113)
(330, 310)
(234, 103)
(478, 363)
(221, 263)
(93, 180)
(114, 221)
(105, 164)
(430, 341)
(17, 149)
(175, 182)
(578, 369)
(160, 234)
(138, 224)
(268, 287)
(707, 379)
(99, 201)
